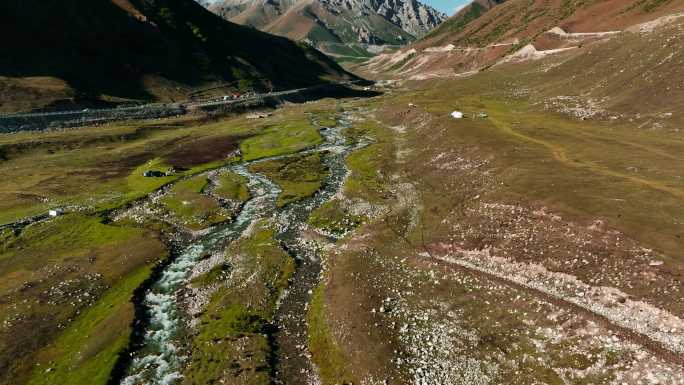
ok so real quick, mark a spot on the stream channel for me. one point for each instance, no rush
(158, 359)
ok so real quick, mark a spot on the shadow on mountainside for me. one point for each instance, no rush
(147, 50)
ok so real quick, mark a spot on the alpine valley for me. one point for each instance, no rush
(191, 197)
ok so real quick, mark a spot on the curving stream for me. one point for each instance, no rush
(158, 360)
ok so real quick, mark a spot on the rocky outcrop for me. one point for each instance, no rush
(326, 22)
(413, 16)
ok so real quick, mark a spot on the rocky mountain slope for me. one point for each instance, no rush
(123, 50)
(486, 32)
(469, 13)
(342, 28)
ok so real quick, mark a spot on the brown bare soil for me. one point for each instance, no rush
(192, 152)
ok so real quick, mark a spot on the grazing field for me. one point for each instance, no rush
(232, 186)
(187, 202)
(101, 167)
(627, 176)
(298, 177)
(87, 350)
(72, 270)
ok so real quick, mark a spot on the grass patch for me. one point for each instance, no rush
(335, 220)
(231, 346)
(365, 180)
(216, 356)
(55, 270)
(299, 177)
(325, 352)
(288, 137)
(68, 236)
(88, 349)
(195, 210)
(326, 120)
(232, 186)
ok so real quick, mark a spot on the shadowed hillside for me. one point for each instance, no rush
(120, 50)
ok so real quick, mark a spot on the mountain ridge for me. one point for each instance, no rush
(132, 50)
(337, 27)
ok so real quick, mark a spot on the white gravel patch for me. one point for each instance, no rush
(657, 324)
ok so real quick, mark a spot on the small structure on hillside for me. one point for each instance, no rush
(457, 115)
(55, 212)
(153, 174)
(482, 115)
(259, 115)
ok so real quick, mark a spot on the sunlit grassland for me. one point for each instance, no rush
(366, 180)
(99, 168)
(86, 352)
(298, 177)
(285, 137)
(187, 202)
(630, 177)
(325, 353)
(232, 186)
(90, 260)
(76, 236)
(230, 344)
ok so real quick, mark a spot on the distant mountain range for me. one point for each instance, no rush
(341, 28)
(112, 51)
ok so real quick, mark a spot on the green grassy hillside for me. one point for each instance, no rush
(456, 23)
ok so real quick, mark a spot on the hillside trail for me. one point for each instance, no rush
(560, 154)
